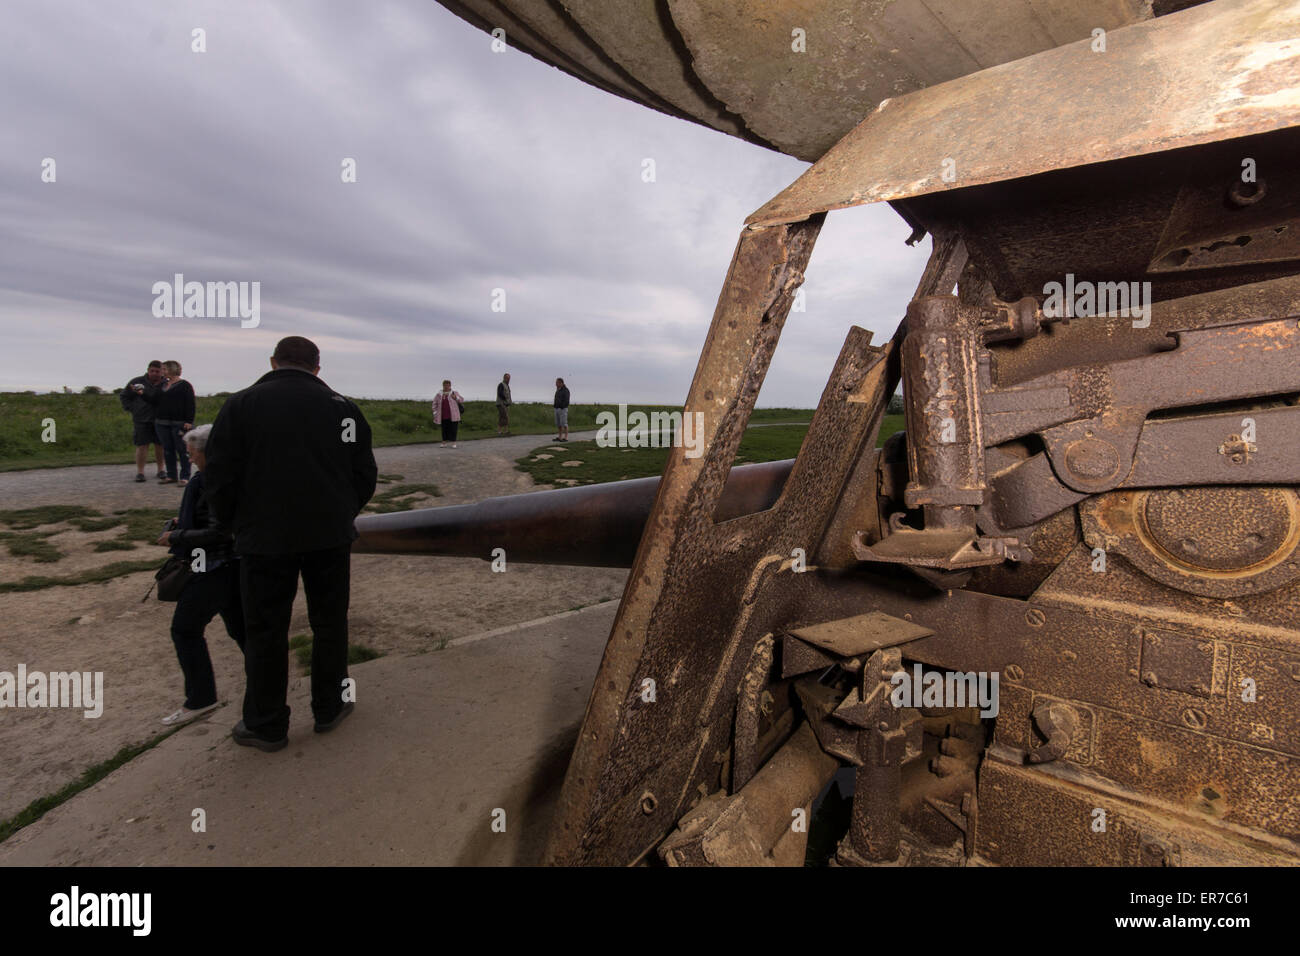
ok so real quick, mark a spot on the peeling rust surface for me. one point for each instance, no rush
(730, 65)
(858, 53)
(642, 38)
(1221, 70)
(1104, 514)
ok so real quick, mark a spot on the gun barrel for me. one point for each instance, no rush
(587, 525)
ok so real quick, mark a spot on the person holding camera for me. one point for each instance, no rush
(196, 536)
(139, 398)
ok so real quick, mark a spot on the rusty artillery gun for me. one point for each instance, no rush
(1097, 505)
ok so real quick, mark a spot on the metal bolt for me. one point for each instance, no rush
(1242, 193)
(648, 803)
(1295, 670)
(1196, 719)
(1015, 672)
(1035, 618)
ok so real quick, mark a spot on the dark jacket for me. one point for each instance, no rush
(561, 397)
(141, 404)
(198, 528)
(176, 404)
(279, 472)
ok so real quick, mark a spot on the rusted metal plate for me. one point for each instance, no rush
(858, 52)
(1029, 817)
(862, 634)
(1160, 745)
(1217, 71)
(640, 36)
(622, 748)
(1172, 661)
(1118, 221)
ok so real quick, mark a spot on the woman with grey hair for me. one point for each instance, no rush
(196, 536)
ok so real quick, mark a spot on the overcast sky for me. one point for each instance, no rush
(475, 171)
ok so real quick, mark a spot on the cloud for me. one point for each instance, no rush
(475, 171)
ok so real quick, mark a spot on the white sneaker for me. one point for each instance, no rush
(185, 715)
(453, 444)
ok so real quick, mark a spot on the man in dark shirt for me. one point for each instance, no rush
(289, 466)
(561, 410)
(503, 405)
(138, 398)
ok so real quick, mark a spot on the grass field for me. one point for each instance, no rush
(93, 429)
(595, 464)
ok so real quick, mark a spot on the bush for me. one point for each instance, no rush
(92, 390)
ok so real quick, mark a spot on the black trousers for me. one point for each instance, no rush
(449, 429)
(269, 583)
(207, 594)
(172, 440)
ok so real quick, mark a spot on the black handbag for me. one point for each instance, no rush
(172, 577)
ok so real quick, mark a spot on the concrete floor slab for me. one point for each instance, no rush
(437, 743)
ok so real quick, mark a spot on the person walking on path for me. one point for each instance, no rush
(174, 413)
(561, 410)
(447, 408)
(503, 406)
(139, 398)
(290, 466)
(212, 589)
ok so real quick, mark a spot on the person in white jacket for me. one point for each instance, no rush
(447, 407)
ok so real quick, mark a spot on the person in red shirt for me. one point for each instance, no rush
(447, 406)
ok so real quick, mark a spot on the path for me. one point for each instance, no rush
(473, 470)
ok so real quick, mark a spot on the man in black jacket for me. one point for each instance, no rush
(289, 468)
(139, 398)
(561, 410)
